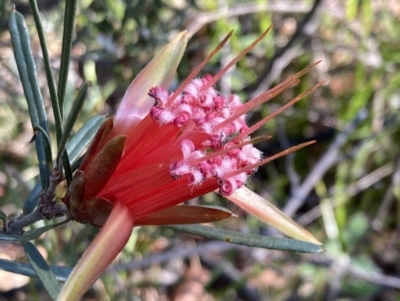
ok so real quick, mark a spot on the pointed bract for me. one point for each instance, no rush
(106, 246)
(136, 103)
(265, 211)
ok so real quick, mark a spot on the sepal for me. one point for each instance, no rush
(184, 215)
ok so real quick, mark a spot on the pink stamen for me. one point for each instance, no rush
(269, 159)
(229, 149)
(235, 60)
(268, 95)
(277, 112)
(197, 69)
(227, 186)
(211, 129)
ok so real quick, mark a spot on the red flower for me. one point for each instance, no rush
(163, 149)
(166, 148)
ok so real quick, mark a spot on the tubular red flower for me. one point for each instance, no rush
(165, 148)
(178, 137)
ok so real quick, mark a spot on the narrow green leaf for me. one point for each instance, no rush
(31, 234)
(47, 143)
(76, 109)
(33, 199)
(73, 116)
(27, 72)
(83, 137)
(23, 35)
(77, 163)
(69, 23)
(42, 270)
(67, 168)
(43, 167)
(26, 269)
(49, 71)
(21, 65)
(250, 240)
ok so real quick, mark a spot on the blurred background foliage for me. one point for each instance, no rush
(344, 189)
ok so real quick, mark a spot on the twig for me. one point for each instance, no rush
(360, 273)
(178, 252)
(230, 277)
(46, 209)
(350, 191)
(283, 56)
(16, 225)
(338, 270)
(371, 56)
(243, 9)
(377, 222)
(294, 178)
(375, 277)
(331, 156)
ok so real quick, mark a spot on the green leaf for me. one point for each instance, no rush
(73, 116)
(49, 72)
(27, 72)
(67, 130)
(42, 270)
(47, 143)
(69, 24)
(22, 51)
(83, 137)
(250, 240)
(67, 168)
(31, 234)
(26, 269)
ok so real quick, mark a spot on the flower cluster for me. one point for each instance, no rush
(201, 112)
